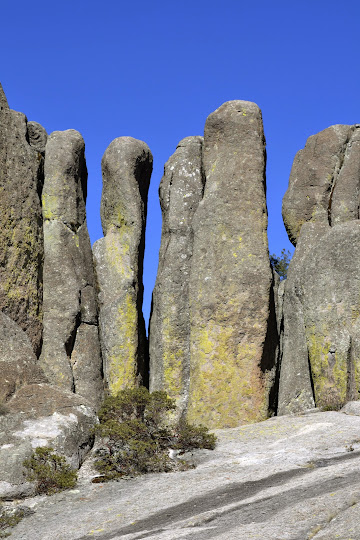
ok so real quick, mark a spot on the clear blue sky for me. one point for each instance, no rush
(155, 70)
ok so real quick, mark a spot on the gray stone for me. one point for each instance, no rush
(21, 246)
(42, 415)
(68, 358)
(324, 180)
(288, 478)
(321, 318)
(118, 257)
(17, 359)
(37, 136)
(181, 190)
(232, 367)
(3, 101)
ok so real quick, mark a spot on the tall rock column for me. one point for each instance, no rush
(321, 356)
(181, 190)
(232, 369)
(70, 354)
(21, 244)
(118, 257)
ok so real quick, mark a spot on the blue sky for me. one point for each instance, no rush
(155, 70)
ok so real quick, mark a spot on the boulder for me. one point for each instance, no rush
(324, 180)
(180, 192)
(70, 355)
(118, 257)
(232, 349)
(42, 415)
(21, 245)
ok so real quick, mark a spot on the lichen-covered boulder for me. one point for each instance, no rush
(70, 355)
(322, 319)
(324, 184)
(41, 415)
(118, 257)
(21, 244)
(232, 366)
(180, 192)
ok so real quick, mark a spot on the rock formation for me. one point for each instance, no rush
(21, 248)
(324, 180)
(70, 354)
(42, 415)
(232, 370)
(118, 257)
(181, 190)
(320, 359)
(213, 334)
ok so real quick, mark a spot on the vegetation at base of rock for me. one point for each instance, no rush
(281, 262)
(8, 519)
(137, 435)
(50, 471)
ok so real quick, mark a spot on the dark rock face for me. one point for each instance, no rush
(324, 180)
(17, 359)
(181, 190)
(70, 354)
(321, 303)
(230, 280)
(118, 257)
(21, 246)
(321, 317)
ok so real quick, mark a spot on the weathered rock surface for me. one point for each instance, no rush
(118, 257)
(181, 190)
(232, 367)
(70, 354)
(41, 415)
(289, 477)
(17, 359)
(324, 183)
(21, 246)
(322, 318)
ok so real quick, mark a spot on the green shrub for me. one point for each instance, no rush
(50, 471)
(137, 435)
(8, 519)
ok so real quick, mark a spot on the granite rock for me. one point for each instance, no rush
(180, 192)
(118, 258)
(18, 363)
(324, 180)
(232, 366)
(42, 415)
(21, 246)
(68, 358)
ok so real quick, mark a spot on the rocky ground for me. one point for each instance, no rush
(290, 477)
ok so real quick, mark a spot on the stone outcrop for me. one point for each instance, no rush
(213, 334)
(118, 257)
(324, 180)
(232, 370)
(18, 363)
(42, 415)
(21, 246)
(70, 354)
(322, 297)
(180, 192)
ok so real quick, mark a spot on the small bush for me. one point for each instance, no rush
(50, 471)
(8, 519)
(137, 435)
